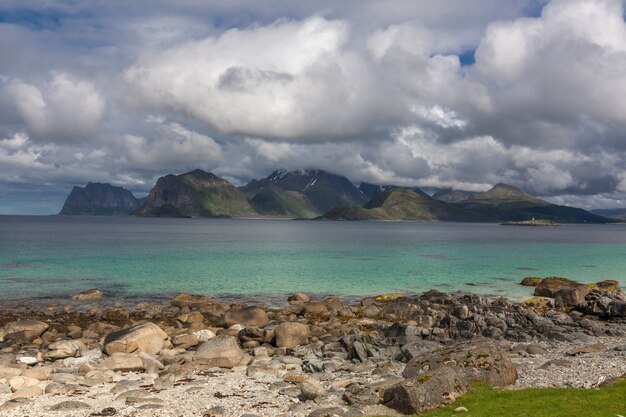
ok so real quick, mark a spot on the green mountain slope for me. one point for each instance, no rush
(453, 196)
(305, 194)
(507, 203)
(501, 203)
(370, 189)
(274, 201)
(401, 204)
(195, 194)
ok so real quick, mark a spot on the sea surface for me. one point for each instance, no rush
(52, 257)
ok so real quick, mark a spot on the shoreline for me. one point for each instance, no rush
(64, 301)
(200, 356)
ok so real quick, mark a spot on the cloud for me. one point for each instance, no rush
(64, 109)
(125, 93)
(172, 145)
(555, 78)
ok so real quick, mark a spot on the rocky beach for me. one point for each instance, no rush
(388, 355)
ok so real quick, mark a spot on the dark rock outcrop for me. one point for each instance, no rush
(431, 390)
(479, 360)
(98, 199)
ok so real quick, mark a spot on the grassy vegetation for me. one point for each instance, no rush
(484, 401)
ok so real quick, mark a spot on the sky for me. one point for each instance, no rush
(437, 94)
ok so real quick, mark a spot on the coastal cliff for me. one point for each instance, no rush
(99, 200)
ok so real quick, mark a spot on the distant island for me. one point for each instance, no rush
(317, 194)
(532, 222)
(98, 199)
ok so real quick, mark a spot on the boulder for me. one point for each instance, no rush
(580, 350)
(311, 389)
(28, 392)
(360, 395)
(247, 316)
(123, 362)
(431, 390)
(23, 331)
(531, 281)
(617, 308)
(315, 308)
(299, 297)
(191, 300)
(65, 349)
(289, 335)
(204, 335)
(478, 360)
(146, 337)
(419, 348)
(222, 351)
(571, 296)
(185, 339)
(93, 294)
(18, 382)
(191, 318)
(550, 285)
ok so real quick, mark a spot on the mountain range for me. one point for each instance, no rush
(319, 194)
(615, 213)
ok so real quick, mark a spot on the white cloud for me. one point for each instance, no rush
(363, 88)
(65, 109)
(172, 146)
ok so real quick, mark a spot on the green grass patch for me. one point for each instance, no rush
(484, 401)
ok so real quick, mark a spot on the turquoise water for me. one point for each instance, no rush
(50, 257)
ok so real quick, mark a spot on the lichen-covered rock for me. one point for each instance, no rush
(247, 316)
(431, 390)
(222, 351)
(146, 337)
(289, 335)
(479, 360)
(550, 285)
(191, 300)
(531, 281)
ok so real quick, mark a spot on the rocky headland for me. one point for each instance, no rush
(385, 355)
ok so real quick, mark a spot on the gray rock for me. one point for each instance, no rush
(419, 348)
(416, 395)
(311, 389)
(571, 296)
(479, 360)
(327, 412)
(360, 395)
(70, 406)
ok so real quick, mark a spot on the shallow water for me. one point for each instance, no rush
(133, 258)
